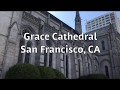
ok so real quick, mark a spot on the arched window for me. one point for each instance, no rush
(107, 71)
(45, 58)
(50, 60)
(67, 66)
(20, 57)
(49, 44)
(103, 45)
(27, 55)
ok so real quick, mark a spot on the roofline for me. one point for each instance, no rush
(58, 21)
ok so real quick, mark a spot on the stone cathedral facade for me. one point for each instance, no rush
(13, 25)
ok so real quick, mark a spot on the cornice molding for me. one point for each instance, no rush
(31, 18)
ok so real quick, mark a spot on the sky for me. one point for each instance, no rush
(68, 17)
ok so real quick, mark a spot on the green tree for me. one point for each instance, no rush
(23, 71)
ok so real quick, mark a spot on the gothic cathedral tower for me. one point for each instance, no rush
(78, 26)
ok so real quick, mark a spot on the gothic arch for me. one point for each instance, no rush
(29, 28)
(13, 32)
(104, 61)
(24, 29)
(106, 67)
(14, 23)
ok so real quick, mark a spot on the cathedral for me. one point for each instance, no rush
(14, 24)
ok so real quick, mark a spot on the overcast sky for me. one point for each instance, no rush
(69, 16)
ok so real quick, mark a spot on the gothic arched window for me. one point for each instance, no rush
(103, 45)
(107, 71)
(27, 56)
(20, 57)
(50, 60)
(49, 44)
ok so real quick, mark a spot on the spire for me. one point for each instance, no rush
(77, 14)
(78, 27)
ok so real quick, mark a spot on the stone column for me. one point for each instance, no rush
(11, 50)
